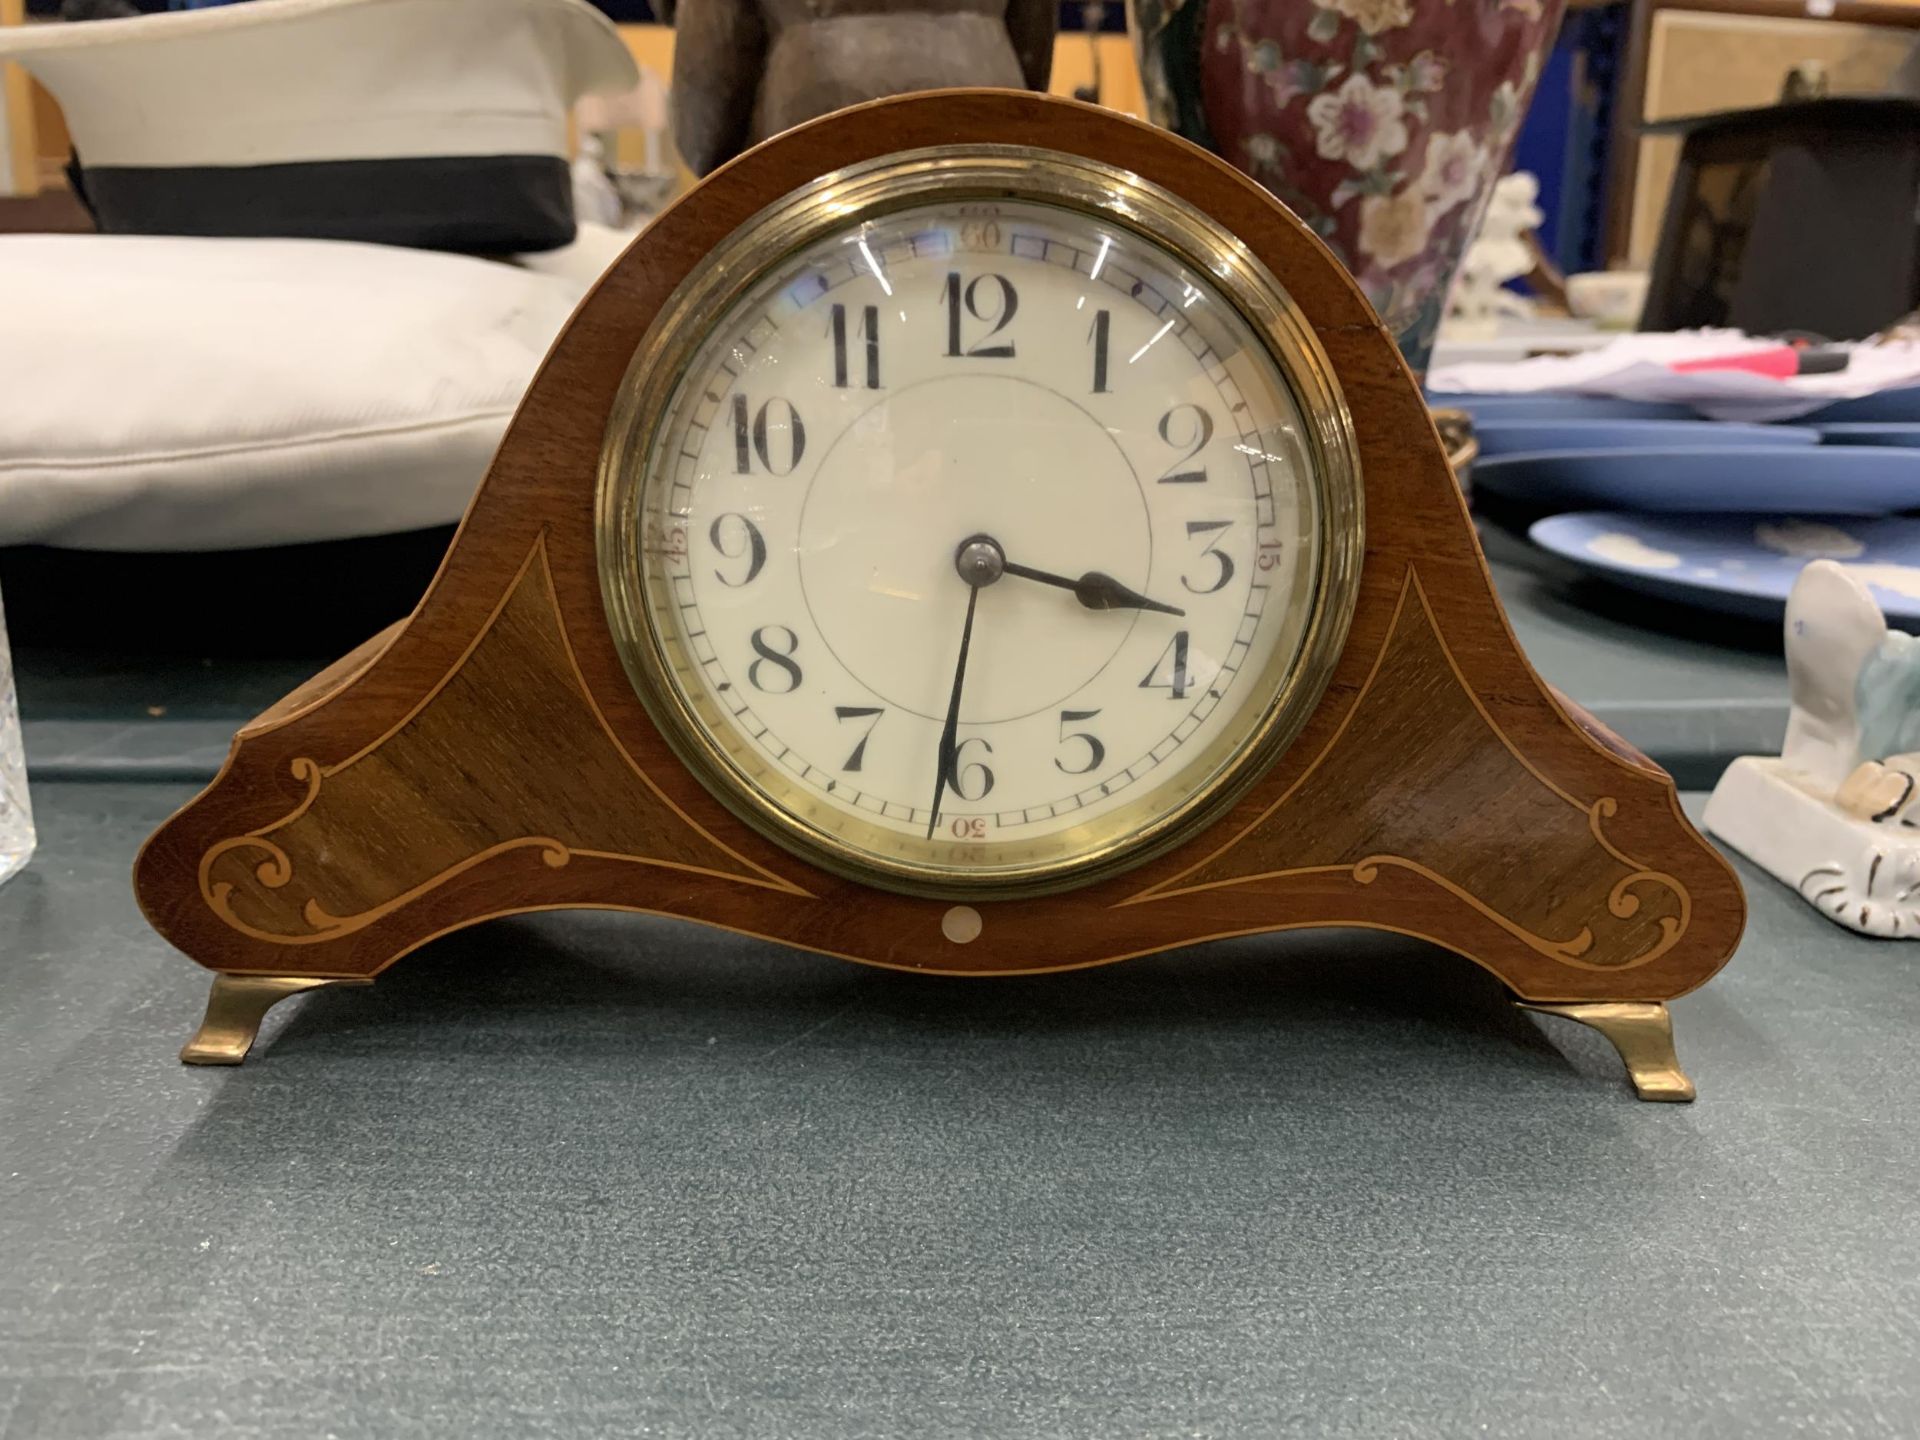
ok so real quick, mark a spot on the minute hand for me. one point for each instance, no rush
(1095, 590)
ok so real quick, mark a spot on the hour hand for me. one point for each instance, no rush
(1096, 590)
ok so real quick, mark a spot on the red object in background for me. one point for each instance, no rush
(1781, 362)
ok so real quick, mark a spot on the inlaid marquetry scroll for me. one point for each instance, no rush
(1562, 887)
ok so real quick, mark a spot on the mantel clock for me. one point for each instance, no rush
(971, 533)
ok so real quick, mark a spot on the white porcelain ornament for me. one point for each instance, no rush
(1837, 815)
(1479, 299)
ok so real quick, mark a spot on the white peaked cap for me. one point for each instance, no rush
(300, 82)
(275, 81)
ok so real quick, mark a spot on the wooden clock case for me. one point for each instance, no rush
(488, 756)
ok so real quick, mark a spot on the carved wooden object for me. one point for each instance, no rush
(488, 756)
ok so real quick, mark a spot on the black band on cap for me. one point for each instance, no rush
(486, 203)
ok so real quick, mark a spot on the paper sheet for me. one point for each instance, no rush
(1634, 367)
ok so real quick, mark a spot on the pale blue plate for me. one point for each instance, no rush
(1747, 479)
(1520, 437)
(1898, 407)
(1487, 408)
(1738, 564)
(1869, 432)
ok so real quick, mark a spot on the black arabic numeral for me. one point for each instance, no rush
(1096, 752)
(867, 330)
(962, 785)
(1190, 436)
(761, 438)
(751, 546)
(966, 297)
(1223, 562)
(1102, 328)
(781, 659)
(1173, 660)
(871, 714)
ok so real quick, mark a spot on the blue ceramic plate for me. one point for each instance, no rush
(1898, 407)
(1520, 437)
(1746, 479)
(1488, 408)
(1870, 432)
(1739, 564)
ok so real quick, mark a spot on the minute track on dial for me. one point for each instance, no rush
(823, 661)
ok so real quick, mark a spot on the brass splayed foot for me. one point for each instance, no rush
(235, 1007)
(1642, 1031)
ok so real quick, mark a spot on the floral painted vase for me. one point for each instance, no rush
(1382, 123)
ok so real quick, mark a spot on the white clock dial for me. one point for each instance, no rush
(1013, 428)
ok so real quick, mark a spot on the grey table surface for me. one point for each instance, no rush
(588, 1175)
(1691, 689)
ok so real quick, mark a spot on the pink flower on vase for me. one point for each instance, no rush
(1360, 123)
(1426, 73)
(1394, 228)
(1453, 169)
(1375, 16)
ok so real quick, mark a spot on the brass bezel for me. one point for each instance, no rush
(983, 173)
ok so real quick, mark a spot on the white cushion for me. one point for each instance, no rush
(193, 394)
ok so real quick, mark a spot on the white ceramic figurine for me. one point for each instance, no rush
(1499, 253)
(1836, 815)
